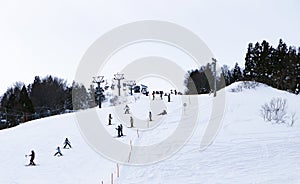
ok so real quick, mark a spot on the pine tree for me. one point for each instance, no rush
(249, 63)
(237, 73)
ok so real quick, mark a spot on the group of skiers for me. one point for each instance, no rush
(32, 155)
(126, 111)
(161, 95)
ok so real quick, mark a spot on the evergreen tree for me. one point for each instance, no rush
(25, 102)
(249, 63)
(237, 73)
(278, 67)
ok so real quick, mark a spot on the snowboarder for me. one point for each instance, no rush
(150, 115)
(32, 156)
(109, 119)
(131, 122)
(67, 143)
(58, 152)
(169, 97)
(126, 109)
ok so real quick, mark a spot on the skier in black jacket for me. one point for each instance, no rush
(67, 143)
(32, 156)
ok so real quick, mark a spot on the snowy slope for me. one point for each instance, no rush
(246, 150)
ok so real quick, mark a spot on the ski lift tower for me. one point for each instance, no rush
(131, 83)
(98, 80)
(119, 77)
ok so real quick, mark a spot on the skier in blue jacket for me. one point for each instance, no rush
(58, 152)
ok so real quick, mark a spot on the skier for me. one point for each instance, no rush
(153, 95)
(131, 122)
(175, 92)
(67, 143)
(109, 119)
(126, 109)
(32, 156)
(161, 95)
(169, 97)
(119, 131)
(58, 152)
(150, 115)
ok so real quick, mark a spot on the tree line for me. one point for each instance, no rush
(278, 67)
(44, 97)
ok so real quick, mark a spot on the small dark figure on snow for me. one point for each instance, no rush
(175, 92)
(32, 156)
(109, 119)
(126, 109)
(150, 115)
(58, 152)
(131, 122)
(161, 94)
(169, 97)
(153, 95)
(164, 112)
(121, 131)
(67, 143)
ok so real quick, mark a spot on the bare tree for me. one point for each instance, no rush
(275, 111)
(293, 118)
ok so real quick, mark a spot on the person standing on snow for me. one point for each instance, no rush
(131, 122)
(109, 119)
(150, 115)
(153, 95)
(121, 129)
(32, 156)
(58, 152)
(67, 143)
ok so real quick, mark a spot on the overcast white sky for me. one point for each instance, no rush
(50, 37)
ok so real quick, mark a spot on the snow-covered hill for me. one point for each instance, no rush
(246, 150)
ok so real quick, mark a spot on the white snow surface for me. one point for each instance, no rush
(246, 150)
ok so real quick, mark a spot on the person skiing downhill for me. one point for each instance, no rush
(32, 156)
(126, 109)
(67, 143)
(58, 152)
